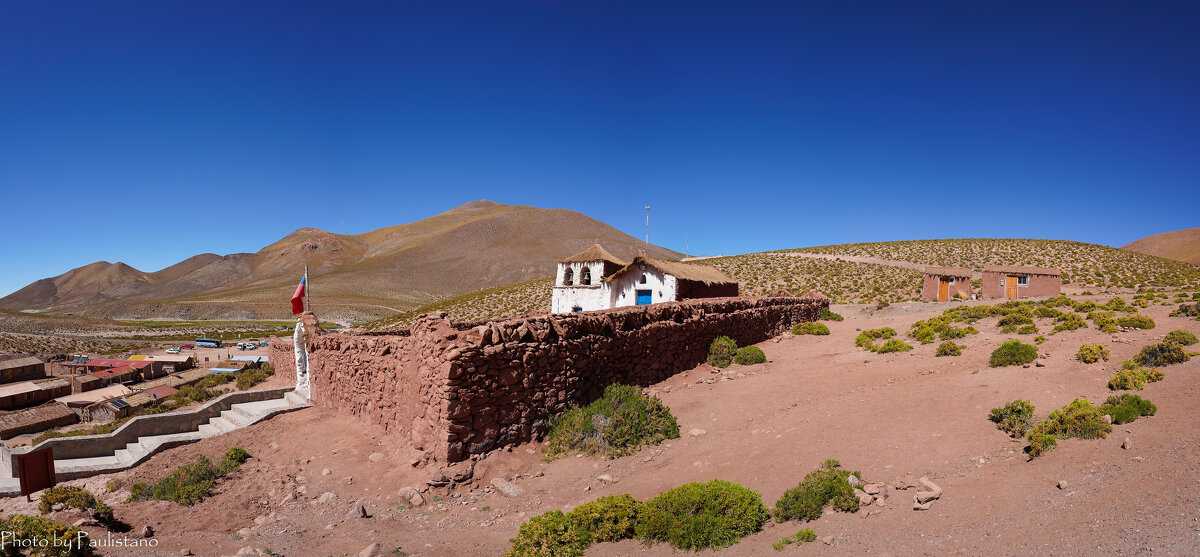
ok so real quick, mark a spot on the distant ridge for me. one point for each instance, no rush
(1180, 245)
(477, 245)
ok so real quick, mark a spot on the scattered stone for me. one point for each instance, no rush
(437, 477)
(863, 513)
(327, 497)
(330, 526)
(1038, 364)
(325, 472)
(85, 522)
(873, 489)
(261, 519)
(921, 506)
(1107, 419)
(827, 540)
(853, 480)
(927, 496)
(375, 457)
(462, 472)
(412, 496)
(185, 551)
(358, 511)
(415, 463)
(288, 499)
(929, 485)
(696, 432)
(1062, 484)
(507, 488)
(863, 498)
(147, 531)
(1139, 458)
(378, 550)
(273, 445)
(1127, 444)
(605, 478)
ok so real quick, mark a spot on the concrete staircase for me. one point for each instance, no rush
(80, 457)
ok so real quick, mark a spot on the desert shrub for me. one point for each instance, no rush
(949, 348)
(1161, 354)
(612, 425)
(112, 485)
(28, 531)
(1181, 337)
(749, 355)
(699, 516)
(548, 535)
(1134, 378)
(805, 535)
(191, 483)
(1039, 339)
(1092, 353)
(71, 497)
(1126, 408)
(721, 351)
(247, 379)
(1069, 322)
(607, 519)
(1116, 304)
(894, 345)
(1186, 310)
(1027, 329)
(1014, 418)
(214, 380)
(1014, 319)
(1046, 312)
(924, 334)
(866, 338)
(1012, 353)
(820, 487)
(1085, 306)
(827, 315)
(1135, 322)
(1078, 419)
(810, 329)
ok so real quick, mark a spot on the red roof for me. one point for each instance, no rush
(115, 370)
(161, 391)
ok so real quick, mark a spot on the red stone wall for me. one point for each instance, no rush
(462, 392)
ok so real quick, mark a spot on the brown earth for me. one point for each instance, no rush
(478, 245)
(765, 426)
(1180, 245)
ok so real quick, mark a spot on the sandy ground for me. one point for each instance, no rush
(764, 426)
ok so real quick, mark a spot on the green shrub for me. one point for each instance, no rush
(721, 351)
(1116, 304)
(191, 483)
(1039, 339)
(1161, 354)
(112, 485)
(1092, 353)
(820, 487)
(607, 519)
(1014, 418)
(247, 379)
(1181, 337)
(71, 497)
(613, 425)
(949, 348)
(28, 531)
(548, 535)
(810, 329)
(827, 315)
(894, 345)
(1014, 319)
(1134, 378)
(699, 516)
(866, 338)
(1046, 312)
(805, 535)
(1078, 419)
(1136, 322)
(749, 356)
(1069, 322)
(924, 335)
(1012, 353)
(1187, 310)
(1126, 408)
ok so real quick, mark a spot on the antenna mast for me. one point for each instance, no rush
(647, 226)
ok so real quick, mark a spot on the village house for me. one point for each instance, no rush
(1013, 282)
(942, 283)
(595, 279)
(22, 369)
(31, 420)
(30, 393)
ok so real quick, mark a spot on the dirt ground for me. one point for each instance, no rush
(765, 426)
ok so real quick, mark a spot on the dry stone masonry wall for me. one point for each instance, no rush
(457, 391)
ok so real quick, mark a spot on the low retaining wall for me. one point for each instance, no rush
(456, 391)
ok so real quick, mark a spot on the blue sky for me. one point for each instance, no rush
(150, 132)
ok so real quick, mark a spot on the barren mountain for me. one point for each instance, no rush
(479, 245)
(1180, 245)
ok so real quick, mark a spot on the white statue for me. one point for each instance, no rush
(300, 340)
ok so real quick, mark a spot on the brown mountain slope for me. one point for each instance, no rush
(1180, 245)
(478, 245)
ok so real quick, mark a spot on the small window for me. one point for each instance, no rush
(643, 279)
(585, 276)
(576, 309)
(568, 277)
(1023, 281)
(951, 280)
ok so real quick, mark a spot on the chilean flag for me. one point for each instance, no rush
(298, 297)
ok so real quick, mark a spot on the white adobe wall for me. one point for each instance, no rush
(590, 298)
(662, 287)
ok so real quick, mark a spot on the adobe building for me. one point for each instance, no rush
(22, 369)
(594, 279)
(1012, 282)
(942, 283)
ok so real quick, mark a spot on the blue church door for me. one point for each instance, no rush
(643, 298)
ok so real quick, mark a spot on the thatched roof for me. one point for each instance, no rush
(19, 362)
(948, 271)
(706, 274)
(1019, 270)
(594, 253)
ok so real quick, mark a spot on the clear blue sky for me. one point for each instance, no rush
(150, 132)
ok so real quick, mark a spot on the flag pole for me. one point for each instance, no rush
(307, 288)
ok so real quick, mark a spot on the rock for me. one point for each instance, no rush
(1127, 444)
(1062, 484)
(1107, 419)
(412, 496)
(325, 472)
(244, 532)
(273, 445)
(929, 485)
(827, 540)
(260, 520)
(378, 550)
(185, 551)
(853, 480)
(605, 478)
(922, 506)
(696, 432)
(1038, 364)
(872, 489)
(287, 499)
(358, 511)
(375, 457)
(507, 488)
(437, 477)
(863, 513)
(863, 498)
(327, 497)
(1139, 458)
(85, 522)
(147, 531)
(462, 472)
(927, 496)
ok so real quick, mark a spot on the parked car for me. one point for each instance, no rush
(187, 346)
(174, 350)
(263, 344)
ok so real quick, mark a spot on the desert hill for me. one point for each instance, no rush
(1180, 245)
(475, 246)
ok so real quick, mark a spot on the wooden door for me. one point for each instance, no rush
(1010, 287)
(944, 290)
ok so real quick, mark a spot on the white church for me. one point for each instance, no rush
(596, 279)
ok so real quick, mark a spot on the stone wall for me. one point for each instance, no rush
(455, 392)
